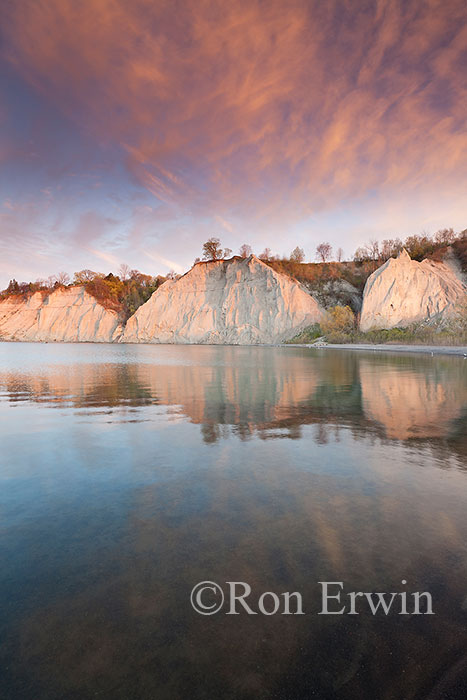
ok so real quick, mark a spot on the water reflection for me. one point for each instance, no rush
(271, 392)
(413, 400)
(129, 477)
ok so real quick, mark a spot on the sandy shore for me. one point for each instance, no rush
(425, 349)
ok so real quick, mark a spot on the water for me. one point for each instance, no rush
(130, 473)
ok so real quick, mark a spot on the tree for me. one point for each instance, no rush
(339, 254)
(157, 281)
(323, 252)
(245, 251)
(84, 276)
(197, 260)
(297, 255)
(124, 272)
(63, 278)
(212, 249)
(419, 247)
(136, 275)
(373, 249)
(445, 236)
(390, 247)
(360, 255)
(40, 284)
(139, 278)
(266, 254)
(115, 286)
(12, 287)
(227, 252)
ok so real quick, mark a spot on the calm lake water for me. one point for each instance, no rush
(130, 473)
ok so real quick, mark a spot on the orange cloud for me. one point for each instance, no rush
(262, 107)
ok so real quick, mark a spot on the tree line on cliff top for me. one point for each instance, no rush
(418, 247)
(123, 292)
(128, 289)
(330, 266)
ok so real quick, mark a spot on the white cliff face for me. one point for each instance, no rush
(238, 301)
(404, 291)
(65, 315)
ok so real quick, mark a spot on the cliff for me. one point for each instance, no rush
(238, 301)
(404, 291)
(66, 315)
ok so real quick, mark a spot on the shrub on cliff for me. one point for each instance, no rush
(308, 335)
(338, 323)
(124, 296)
(104, 292)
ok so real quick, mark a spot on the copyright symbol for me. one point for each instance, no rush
(207, 598)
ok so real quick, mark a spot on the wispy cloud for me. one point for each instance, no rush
(159, 124)
(258, 107)
(169, 264)
(107, 257)
(225, 224)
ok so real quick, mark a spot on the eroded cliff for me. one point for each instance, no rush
(66, 315)
(238, 301)
(404, 291)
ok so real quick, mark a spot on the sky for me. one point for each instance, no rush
(130, 132)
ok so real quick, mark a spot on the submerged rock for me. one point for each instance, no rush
(404, 291)
(66, 315)
(240, 301)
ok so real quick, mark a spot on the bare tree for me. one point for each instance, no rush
(373, 249)
(360, 255)
(297, 255)
(197, 260)
(59, 280)
(63, 278)
(227, 252)
(445, 236)
(390, 247)
(323, 252)
(124, 272)
(212, 249)
(266, 254)
(245, 250)
(339, 254)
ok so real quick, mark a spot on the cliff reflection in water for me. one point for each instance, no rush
(271, 392)
(130, 473)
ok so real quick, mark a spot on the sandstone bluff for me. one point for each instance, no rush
(65, 315)
(240, 301)
(404, 291)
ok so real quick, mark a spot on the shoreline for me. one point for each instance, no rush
(458, 350)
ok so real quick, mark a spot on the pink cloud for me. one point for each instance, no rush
(262, 107)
